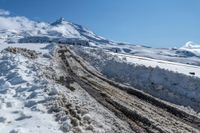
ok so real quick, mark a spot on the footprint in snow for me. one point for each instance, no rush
(16, 112)
(23, 116)
(8, 104)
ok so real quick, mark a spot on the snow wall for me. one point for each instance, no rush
(170, 86)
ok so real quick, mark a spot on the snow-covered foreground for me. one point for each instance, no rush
(190, 70)
(32, 101)
(22, 97)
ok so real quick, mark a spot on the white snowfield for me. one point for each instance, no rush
(190, 70)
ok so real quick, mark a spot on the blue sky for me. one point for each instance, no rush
(156, 23)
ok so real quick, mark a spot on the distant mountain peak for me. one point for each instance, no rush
(22, 27)
(191, 45)
(59, 21)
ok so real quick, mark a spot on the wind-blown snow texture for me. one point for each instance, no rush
(22, 97)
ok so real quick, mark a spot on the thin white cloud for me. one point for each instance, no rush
(21, 24)
(15, 23)
(4, 12)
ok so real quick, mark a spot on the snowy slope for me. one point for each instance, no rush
(167, 54)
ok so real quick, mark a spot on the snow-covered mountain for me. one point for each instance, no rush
(14, 28)
(191, 45)
(61, 77)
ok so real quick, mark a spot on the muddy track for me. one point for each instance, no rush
(143, 112)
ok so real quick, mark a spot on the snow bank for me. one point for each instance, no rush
(171, 86)
(190, 70)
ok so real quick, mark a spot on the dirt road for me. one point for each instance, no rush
(143, 112)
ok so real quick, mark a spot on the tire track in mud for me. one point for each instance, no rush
(120, 100)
